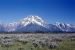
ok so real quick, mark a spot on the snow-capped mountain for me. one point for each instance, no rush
(10, 27)
(32, 24)
(36, 24)
(66, 27)
(32, 19)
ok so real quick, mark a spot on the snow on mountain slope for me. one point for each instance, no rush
(10, 27)
(54, 28)
(32, 28)
(32, 19)
(66, 27)
(32, 24)
(36, 24)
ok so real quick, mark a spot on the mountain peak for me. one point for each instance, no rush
(33, 16)
(32, 19)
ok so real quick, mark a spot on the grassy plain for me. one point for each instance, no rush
(38, 41)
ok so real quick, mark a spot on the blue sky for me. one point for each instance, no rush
(50, 10)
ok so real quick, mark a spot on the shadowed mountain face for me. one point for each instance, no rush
(2, 29)
(36, 24)
(32, 28)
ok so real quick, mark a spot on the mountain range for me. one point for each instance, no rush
(36, 24)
